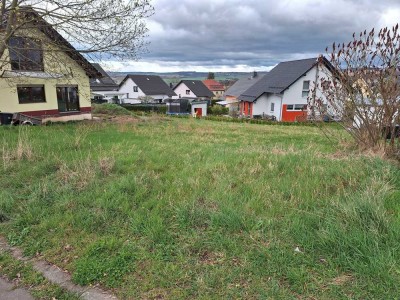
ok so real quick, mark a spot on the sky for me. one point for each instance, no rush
(247, 35)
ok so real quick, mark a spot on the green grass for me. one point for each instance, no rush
(23, 274)
(179, 208)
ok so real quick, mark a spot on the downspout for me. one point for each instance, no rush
(281, 108)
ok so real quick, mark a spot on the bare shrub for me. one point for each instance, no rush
(363, 90)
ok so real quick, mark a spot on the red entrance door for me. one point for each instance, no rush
(199, 112)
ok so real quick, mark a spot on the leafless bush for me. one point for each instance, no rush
(363, 89)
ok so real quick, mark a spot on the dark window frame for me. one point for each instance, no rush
(187, 92)
(31, 93)
(69, 107)
(26, 54)
(135, 89)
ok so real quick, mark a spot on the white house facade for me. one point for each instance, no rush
(285, 91)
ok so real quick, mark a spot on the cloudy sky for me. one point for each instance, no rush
(247, 35)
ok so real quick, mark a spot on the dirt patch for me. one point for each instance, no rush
(342, 279)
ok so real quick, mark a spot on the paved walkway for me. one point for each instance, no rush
(9, 292)
(53, 274)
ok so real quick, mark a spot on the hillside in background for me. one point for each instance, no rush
(175, 77)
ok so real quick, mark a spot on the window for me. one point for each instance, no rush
(272, 106)
(68, 98)
(187, 92)
(135, 89)
(306, 88)
(31, 94)
(25, 54)
(296, 107)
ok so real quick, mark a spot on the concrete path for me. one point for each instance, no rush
(9, 292)
(57, 276)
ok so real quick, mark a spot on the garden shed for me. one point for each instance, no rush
(199, 108)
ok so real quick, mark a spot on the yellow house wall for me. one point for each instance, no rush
(54, 62)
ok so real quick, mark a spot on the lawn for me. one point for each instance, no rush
(192, 209)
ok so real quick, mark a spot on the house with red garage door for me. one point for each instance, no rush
(283, 92)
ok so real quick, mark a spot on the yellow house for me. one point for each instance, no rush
(42, 75)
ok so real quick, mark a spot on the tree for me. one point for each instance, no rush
(96, 28)
(211, 75)
(363, 89)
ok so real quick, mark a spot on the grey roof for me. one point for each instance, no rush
(197, 87)
(150, 85)
(105, 83)
(240, 86)
(279, 78)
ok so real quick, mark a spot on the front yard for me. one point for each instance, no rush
(194, 209)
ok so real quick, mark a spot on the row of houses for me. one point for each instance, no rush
(135, 89)
(33, 84)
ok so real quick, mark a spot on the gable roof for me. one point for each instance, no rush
(105, 83)
(213, 85)
(240, 86)
(53, 35)
(280, 78)
(150, 84)
(197, 87)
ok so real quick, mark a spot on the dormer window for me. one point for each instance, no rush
(25, 54)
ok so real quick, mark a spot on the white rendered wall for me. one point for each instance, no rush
(181, 90)
(263, 106)
(203, 107)
(127, 89)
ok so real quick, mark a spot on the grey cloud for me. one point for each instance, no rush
(255, 32)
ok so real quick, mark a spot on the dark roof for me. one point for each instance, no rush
(105, 83)
(240, 86)
(280, 78)
(52, 34)
(197, 87)
(150, 84)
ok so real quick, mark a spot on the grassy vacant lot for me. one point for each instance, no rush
(195, 209)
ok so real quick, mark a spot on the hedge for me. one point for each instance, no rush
(254, 121)
(161, 109)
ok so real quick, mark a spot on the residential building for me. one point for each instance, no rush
(42, 75)
(214, 86)
(193, 89)
(239, 87)
(144, 88)
(104, 89)
(283, 92)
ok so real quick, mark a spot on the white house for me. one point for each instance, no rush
(284, 91)
(136, 88)
(192, 89)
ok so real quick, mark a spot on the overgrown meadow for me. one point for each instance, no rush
(164, 208)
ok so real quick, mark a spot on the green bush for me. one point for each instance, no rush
(256, 121)
(217, 110)
(109, 109)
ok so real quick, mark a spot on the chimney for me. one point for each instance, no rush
(255, 74)
(171, 85)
